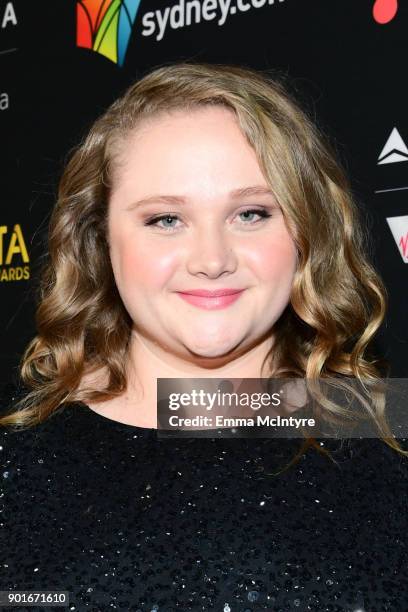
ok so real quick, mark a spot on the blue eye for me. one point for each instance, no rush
(262, 213)
(155, 221)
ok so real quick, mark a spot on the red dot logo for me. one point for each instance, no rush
(384, 11)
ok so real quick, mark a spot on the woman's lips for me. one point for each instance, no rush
(211, 302)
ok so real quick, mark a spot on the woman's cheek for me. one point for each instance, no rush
(151, 267)
(273, 258)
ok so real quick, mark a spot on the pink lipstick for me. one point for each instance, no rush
(211, 300)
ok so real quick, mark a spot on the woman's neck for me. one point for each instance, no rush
(148, 361)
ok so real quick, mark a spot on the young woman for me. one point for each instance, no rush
(202, 229)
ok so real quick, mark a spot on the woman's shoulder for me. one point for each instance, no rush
(14, 435)
(10, 394)
(377, 457)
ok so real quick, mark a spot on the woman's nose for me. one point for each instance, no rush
(211, 253)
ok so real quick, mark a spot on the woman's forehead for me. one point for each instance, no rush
(205, 149)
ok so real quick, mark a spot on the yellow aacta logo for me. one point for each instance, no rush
(16, 245)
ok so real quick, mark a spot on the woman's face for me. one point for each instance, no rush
(196, 171)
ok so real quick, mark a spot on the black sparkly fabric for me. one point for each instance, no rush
(126, 520)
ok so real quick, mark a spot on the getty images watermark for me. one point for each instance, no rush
(280, 407)
(208, 401)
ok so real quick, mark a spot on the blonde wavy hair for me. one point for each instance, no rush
(337, 301)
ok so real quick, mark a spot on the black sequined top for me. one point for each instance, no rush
(126, 520)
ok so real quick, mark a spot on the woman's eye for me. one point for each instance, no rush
(167, 219)
(248, 214)
(166, 222)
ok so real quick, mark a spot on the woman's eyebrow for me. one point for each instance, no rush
(175, 199)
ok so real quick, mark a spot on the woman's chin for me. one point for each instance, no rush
(204, 348)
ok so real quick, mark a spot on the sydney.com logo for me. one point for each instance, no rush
(105, 26)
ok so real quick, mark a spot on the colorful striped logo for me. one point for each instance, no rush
(105, 26)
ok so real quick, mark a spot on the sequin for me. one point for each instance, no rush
(124, 520)
(253, 595)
